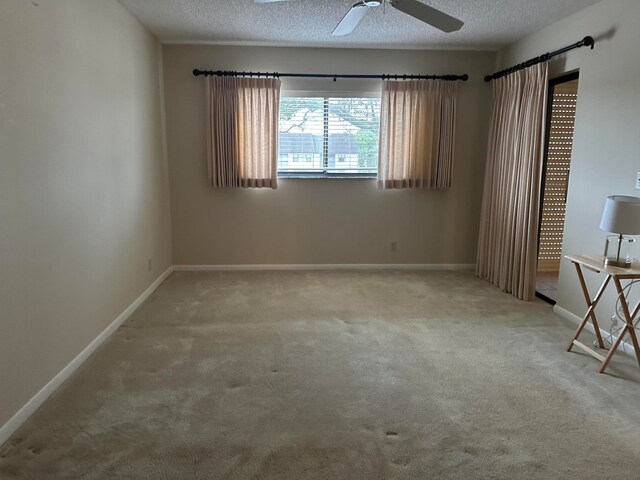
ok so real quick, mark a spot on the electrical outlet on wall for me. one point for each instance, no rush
(393, 246)
(637, 180)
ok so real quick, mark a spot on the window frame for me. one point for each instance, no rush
(324, 173)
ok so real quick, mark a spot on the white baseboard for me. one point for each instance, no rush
(39, 398)
(325, 266)
(573, 318)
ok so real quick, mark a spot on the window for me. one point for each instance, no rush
(329, 136)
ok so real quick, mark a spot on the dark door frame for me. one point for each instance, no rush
(568, 77)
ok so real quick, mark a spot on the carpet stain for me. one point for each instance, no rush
(36, 449)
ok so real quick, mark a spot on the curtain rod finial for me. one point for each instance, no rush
(464, 77)
(196, 72)
(589, 41)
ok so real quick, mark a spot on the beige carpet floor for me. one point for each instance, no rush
(336, 375)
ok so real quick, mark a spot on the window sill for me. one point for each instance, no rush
(315, 176)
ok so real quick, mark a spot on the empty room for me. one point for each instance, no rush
(319, 239)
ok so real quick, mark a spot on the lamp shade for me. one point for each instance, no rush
(621, 215)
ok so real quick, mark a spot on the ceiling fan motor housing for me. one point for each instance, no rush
(372, 3)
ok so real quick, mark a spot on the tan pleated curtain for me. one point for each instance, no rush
(507, 248)
(242, 131)
(417, 125)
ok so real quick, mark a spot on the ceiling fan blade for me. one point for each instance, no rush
(428, 14)
(351, 20)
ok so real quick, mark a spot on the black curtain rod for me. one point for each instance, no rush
(335, 76)
(585, 42)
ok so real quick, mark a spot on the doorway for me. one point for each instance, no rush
(561, 115)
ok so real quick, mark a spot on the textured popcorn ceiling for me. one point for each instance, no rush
(488, 23)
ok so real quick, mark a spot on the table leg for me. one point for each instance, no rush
(591, 310)
(628, 317)
(632, 332)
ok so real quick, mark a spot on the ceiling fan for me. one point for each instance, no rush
(416, 9)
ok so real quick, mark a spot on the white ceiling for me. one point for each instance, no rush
(488, 23)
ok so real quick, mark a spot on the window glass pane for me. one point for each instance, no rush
(354, 127)
(329, 135)
(301, 134)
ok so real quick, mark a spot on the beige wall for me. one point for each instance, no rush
(606, 150)
(321, 221)
(83, 184)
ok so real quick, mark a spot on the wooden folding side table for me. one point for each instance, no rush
(595, 263)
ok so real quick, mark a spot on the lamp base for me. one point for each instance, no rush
(610, 262)
(617, 252)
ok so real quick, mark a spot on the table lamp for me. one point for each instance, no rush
(621, 216)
